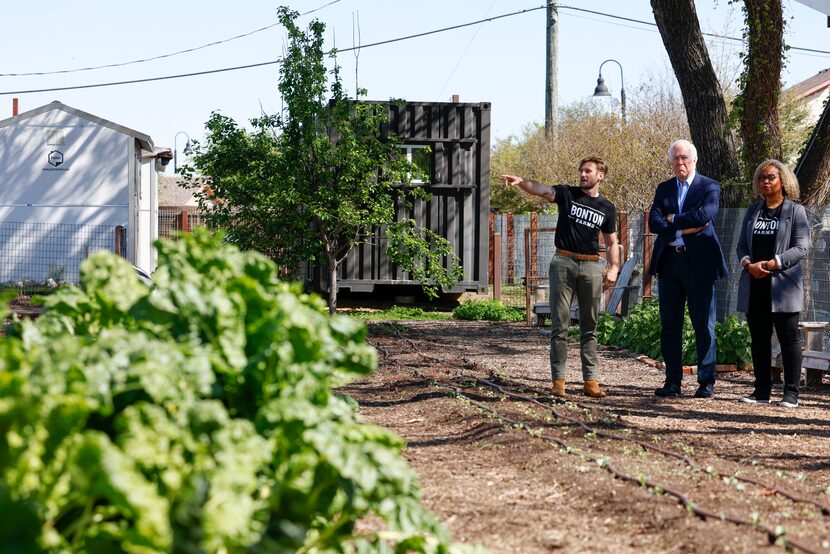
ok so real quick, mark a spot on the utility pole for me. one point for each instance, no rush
(552, 70)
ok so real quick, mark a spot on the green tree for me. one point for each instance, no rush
(319, 178)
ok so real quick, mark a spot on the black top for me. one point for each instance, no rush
(763, 235)
(581, 218)
(763, 248)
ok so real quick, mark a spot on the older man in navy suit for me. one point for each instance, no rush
(687, 260)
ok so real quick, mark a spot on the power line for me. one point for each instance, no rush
(147, 80)
(379, 43)
(464, 53)
(132, 62)
(238, 67)
(652, 24)
(159, 57)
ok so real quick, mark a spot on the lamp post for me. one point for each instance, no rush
(602, 90)
(187, 150)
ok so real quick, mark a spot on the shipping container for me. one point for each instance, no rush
(451, 142)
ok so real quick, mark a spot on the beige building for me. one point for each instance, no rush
(172, 192)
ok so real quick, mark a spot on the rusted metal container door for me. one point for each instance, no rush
(458, 138)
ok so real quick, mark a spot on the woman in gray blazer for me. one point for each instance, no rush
(774, 238)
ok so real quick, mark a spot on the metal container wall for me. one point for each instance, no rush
(458, 135)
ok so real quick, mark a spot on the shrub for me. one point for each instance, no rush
(196, 415)
(640, 333)
(733, 342)
(605, 326)
(487, 310)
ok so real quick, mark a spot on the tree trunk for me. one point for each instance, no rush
(813, 169)
(760, 127)
(332, 285)
(705, 106)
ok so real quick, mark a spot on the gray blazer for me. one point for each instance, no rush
(791, 245)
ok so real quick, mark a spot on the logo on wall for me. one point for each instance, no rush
(55, 158)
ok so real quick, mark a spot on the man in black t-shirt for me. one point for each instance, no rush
(575, 268)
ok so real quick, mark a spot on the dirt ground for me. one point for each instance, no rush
(516, 471)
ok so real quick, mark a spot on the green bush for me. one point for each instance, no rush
(196, 415)
(640, 332)
(605, 326)
(487, 310)
(733, 342)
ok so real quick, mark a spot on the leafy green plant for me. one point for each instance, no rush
(487, 310)
(640, 332)
(605, 326)
(196, 415)
(406, 313)
(733, 342)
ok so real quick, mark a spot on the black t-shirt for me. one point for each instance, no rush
(581, 218)
(763, 247)
(763, 234)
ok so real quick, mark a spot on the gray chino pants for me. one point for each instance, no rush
(569, 277)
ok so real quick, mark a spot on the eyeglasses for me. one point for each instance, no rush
(769, 177)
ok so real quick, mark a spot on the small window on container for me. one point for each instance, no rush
(418, 155)
(55, 138)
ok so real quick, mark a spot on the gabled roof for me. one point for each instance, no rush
(822, 6)
(144, 140)
(811, 86)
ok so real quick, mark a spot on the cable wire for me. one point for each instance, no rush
(159, 57)
(379, 43)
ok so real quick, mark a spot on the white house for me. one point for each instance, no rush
(813, 93)
(70, 183)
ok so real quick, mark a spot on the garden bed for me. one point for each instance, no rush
(493, 482)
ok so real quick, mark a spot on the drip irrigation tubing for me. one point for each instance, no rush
(773, 535)
(824, 508)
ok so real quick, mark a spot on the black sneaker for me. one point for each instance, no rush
(752, 399)
(790, 400)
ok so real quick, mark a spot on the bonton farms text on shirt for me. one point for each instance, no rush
(765, 226)
(586, 216)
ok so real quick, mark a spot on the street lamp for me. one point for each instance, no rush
(602, 90)
(187, 150)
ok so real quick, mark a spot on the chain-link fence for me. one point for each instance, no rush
(36, 256)
(816, 264)
(177, 218)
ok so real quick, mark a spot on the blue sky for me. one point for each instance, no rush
(501, 61)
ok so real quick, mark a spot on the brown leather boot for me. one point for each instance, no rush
(558, 388)
(591, 388)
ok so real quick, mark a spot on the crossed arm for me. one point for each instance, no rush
(690, 222)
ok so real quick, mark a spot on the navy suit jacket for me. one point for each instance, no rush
(699, 208)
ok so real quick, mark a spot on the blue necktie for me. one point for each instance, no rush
(681, 197)
(682, 189)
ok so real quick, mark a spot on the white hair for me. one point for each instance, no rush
(692, 149)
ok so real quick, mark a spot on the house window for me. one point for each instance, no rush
(55, 138)
(418, 155)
